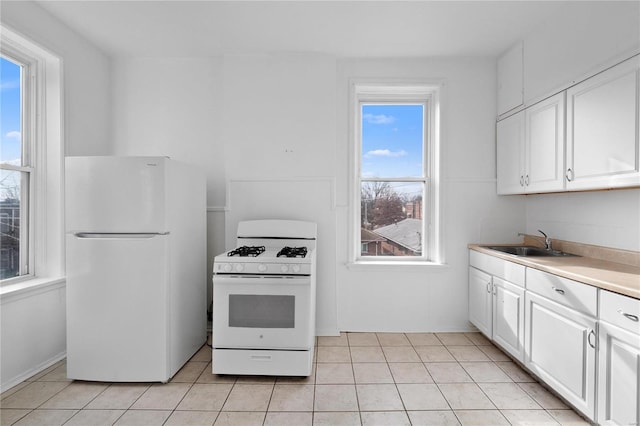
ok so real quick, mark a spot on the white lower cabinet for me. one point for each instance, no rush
(560, 348)
(480, 300)
(508, 317)
(619, 360)
(583, 342)
(496, 301)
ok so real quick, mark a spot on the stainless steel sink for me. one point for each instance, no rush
(529, 251)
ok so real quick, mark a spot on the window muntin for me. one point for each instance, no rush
(15, 168)
(396, 197)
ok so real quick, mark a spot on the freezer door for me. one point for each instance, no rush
(117, 309)
(115, 194)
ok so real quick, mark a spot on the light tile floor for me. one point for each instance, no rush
(358, 379)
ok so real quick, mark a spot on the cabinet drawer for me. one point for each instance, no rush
(620, 310)
(509, 271)
(579, 296)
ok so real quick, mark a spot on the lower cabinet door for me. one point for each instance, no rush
(480, 295)
(508, 317)
(618, 376)
(560, 347)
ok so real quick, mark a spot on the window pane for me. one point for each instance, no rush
(391, 218)
(392, 140)
(11, 185)
(10, 113)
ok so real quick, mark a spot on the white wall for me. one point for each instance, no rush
(33, 325)
(555, 55)
(559, 52)
(604, 218)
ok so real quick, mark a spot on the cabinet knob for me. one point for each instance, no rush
(526, 180)
(591, 333)
(521, 180)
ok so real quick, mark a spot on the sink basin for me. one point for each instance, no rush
(528, 251)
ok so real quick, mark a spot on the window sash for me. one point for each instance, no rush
(28, 107)
(423, 179)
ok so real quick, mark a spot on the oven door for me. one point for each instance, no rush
(258, 312)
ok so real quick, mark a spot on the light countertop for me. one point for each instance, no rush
(616, 277)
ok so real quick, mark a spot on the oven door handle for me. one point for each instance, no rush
(260, 280)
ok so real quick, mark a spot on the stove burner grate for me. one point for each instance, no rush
(293, 252)
(246, 251)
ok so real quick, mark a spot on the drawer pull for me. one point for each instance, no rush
(558, 290)
(591, 333)
(260, 357)
(628, 316)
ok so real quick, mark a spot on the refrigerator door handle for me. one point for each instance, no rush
(118, 235)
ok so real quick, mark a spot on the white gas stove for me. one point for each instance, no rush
(264, 300)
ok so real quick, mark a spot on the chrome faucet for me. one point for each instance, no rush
(547, 240)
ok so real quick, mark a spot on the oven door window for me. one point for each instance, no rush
(262, 311)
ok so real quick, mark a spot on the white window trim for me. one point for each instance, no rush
(46, 200)
(397, 91)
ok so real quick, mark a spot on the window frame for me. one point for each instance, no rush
(393, 93)
(43, 126)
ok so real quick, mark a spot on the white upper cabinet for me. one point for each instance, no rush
(510, 79)
(510, 154)
(602, 129)
(544, 141)
(530, 149)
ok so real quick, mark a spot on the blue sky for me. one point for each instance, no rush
(392, 140)
(9, 111)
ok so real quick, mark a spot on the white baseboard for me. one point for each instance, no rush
(5, 386)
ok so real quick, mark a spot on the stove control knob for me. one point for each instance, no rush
(262, 267)
(295, 268)
(284, 269)
(227, 267)
(239, 267)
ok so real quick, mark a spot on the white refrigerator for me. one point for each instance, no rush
(136, 267)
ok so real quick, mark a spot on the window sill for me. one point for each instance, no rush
(362, 265)
(29, 287)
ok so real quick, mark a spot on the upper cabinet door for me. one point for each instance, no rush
(602, 129)
(544, 145)
(510, 79)
(510, 154)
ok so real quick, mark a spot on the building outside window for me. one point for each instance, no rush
(395, 173)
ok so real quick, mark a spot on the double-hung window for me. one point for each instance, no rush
(31, 158)
(395, 180)
(16, 165)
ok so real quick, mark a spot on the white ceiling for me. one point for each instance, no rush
(342, 28)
